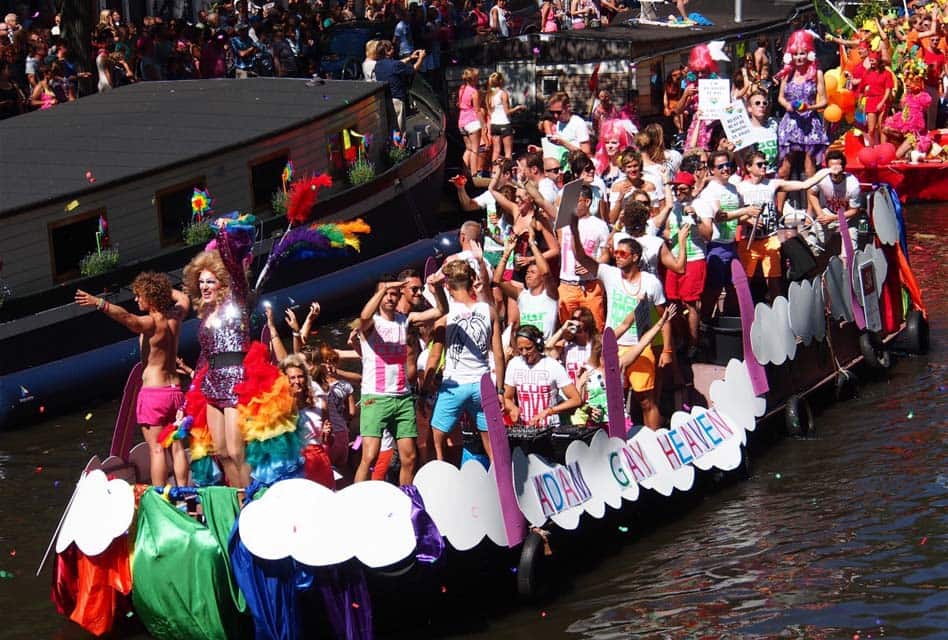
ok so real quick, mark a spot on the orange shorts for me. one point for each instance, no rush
(640, 375)
(765, 252)
(588, 294)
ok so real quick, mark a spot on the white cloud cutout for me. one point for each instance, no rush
(839, 288)
(463, 503)
(547, 491)
(772, 340)
(734, 397)
(297, 518)
(101, 511)
(883, 217)
(661, 455)
(710, 437)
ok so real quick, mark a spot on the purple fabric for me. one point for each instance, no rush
(430, 543)
(347, 600)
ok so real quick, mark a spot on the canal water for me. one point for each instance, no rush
(838, 536)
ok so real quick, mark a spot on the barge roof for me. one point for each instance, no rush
(149, 126)
(641, 40)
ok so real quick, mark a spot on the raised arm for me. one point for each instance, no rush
(366, 317)
(441, 301)
(234, 243)
(132, 322)
(799, 185)
(645, 340)
(671, 262)
(587, 261)
(510, 289)
(279, 350)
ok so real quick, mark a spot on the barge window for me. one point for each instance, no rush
(336, 149)
(551, 84)
(174, 210)
(266, 178)
(69, 242)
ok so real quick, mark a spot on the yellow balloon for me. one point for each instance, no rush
(831, 79)
(833, 113)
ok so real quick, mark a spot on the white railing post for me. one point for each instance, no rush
(738, 11)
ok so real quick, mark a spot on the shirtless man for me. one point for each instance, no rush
(160, 396)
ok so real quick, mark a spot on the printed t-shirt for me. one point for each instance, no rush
(467, 341)
(575, 357)
(593, 233)
(384, 356)
(537, 386)
(694, 245)
(720, 198)
(761, 194)
(624, 297)
(539, 311)
(838, 197)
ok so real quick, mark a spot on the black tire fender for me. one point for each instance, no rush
(530, 569)
(873, 352)
(916, 336)
(798, 417)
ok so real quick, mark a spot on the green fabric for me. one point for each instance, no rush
(182, 584)
(203, 472)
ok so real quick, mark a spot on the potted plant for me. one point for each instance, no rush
(99, 262)
(361, 172)
(198, 232)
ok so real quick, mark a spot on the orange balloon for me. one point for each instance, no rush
(846, 99)
(833, 113)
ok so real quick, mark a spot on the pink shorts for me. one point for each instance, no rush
(157, 406)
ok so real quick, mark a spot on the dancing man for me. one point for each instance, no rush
(160, 396)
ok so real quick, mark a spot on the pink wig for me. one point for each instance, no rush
(798, 40)
(700, 60)
(608, 130)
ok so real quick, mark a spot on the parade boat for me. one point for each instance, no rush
(120, 168)
(299, 553)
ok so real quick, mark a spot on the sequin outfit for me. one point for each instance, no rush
(802, 131)
(227, 331)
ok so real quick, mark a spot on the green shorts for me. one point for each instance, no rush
(397, 413)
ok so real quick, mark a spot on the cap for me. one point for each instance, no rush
(685, 178)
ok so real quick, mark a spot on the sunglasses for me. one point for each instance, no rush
(553, 170)
(556, 112)
(729, 166)
(622, 253)
(760, 103)
(414, 289)
(682, 187)
(760, 164)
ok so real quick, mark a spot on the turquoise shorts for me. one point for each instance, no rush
(455, 399)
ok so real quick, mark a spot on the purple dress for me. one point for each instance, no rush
(225, 335)
(802, 131)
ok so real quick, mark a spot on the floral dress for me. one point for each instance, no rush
(802, 131)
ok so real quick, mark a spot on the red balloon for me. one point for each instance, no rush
(885, 152)
(868, 157)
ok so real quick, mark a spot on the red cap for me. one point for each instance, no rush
(685, 178)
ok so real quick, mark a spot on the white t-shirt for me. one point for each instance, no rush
(575, 130)
(761, 194)
(718, 197)
(623, 297)
(654, 173)
(575, 357)
(368, 69)
(385, 356)
(537, 386)
(309, 422)
(539, 311)
(548, 190)
(593, 233)
(467, 342)
(651, 249)
(838, 197)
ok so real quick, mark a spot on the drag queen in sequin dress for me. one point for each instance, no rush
(217, 283)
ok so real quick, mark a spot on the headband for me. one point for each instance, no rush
(525, 333)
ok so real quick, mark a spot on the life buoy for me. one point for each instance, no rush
(531, 569)
(798, 417)
(915, 336)
(874, 354)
